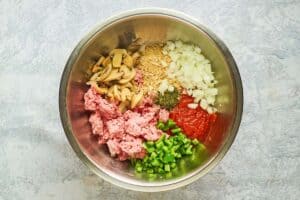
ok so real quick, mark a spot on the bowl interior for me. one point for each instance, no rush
(119, 33)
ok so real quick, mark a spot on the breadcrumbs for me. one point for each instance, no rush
(153, 65)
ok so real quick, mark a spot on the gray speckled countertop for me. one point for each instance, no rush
(36, 38)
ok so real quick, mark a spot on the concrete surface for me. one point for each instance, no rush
(36, 38)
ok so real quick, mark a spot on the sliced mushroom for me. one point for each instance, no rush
(128, 77)
(125, 94)
(118, 51)
(100, 60)
(110, 92)
(95, 76)
(117, 60)
(134, 88)
(124, 69)
(136, 99)
(127, 85)
(135, 56)
(106, 72)
(100, 90)
(123, 105)
(96, 68)
(116, 92)
(128, 61)
(106, 61)
(129, 97)
(114, 75)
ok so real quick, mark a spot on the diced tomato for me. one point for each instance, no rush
(185, 100)
(194, 122)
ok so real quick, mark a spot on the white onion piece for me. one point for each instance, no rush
(193, 71)
(192, 105)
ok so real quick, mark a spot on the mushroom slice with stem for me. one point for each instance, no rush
(106, 72)
(106, 61)
(123, 105)
(117, 60)
(128, 77)
(128, 61)
(136, 98)
(114, 75)
(100, 61)
(116, 92)
(135, 56)
(110, 92)
(95, 76)
(100, 90)
(118, 51)
(128, 85)
(96, 68)
(125, 94)
(124, 69)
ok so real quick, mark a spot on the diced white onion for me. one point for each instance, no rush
(192, 105)
(164, 86)
(193, 71)
(210, 110)
(203, 104)
(170, 88)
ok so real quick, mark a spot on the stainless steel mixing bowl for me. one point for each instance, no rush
(151, 25)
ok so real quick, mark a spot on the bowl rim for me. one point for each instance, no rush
(203, 170)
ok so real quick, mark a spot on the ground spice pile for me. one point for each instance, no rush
(153, 65)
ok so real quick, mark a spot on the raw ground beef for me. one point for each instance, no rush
(163, 115)
(124, 133)
(96, 122)
(116, 127)
(91, 100)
